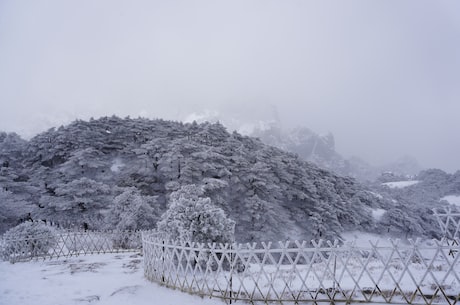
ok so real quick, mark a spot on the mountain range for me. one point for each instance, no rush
(320, 150)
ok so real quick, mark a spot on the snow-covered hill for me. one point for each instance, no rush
(115, 173)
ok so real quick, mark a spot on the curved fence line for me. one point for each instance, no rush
(69, 243)
(412, 272)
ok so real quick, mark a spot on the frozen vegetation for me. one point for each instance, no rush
(114, 173)
(193, 182)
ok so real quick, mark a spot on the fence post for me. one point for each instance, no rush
(335, 270)
(163, 261)
(231, 272)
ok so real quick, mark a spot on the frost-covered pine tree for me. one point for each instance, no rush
(191, 217)
(13, 208)
(81, 202)
(132, 211)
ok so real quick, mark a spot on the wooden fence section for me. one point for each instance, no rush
(413, 272)
(449, 221)
(69, 243)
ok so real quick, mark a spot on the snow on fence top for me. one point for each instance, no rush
(406, 273)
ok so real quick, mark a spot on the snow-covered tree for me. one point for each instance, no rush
(397, 222)
(258, 218)
(13, 209)
(28, 239)
(81, 202)
(12, 148)
(87, 162)
(193, 218)
(132, 211)
(324, 223)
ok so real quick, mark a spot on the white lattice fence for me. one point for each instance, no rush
(70, 243)
(449, 221)
(298, 272)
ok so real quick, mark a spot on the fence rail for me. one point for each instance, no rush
(412, 272)
(69, 243)
(449, 221)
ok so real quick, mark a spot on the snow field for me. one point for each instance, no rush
(452, 199)
(400, 184)
(103, 279)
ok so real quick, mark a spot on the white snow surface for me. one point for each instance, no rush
(378, 213)
(117, 165)
(400, 184)
(103, 279)
(452, 199)
(364, 239)
(117, 279)
(376, 195)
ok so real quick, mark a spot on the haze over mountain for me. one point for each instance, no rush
(381, 76)
(312, 147)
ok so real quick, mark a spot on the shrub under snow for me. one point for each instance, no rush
(29, 239)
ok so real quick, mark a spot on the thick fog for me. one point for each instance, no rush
(382, 76)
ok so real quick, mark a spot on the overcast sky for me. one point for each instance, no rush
(382, 76)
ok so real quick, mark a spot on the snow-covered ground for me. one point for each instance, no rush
(377, 214)
(364, 239)
(376, 195)
(117, 165)
(452, 199)
(118, 279)
(115, 279)
(400, 184)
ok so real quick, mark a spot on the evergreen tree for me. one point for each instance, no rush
(193, 218)
(81, 202)
(132, 211)
(13, 210)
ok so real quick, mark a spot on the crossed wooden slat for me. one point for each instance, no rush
(301, 272)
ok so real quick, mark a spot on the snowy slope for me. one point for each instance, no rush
(115, 279)
(452, 199)
(400, 184)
